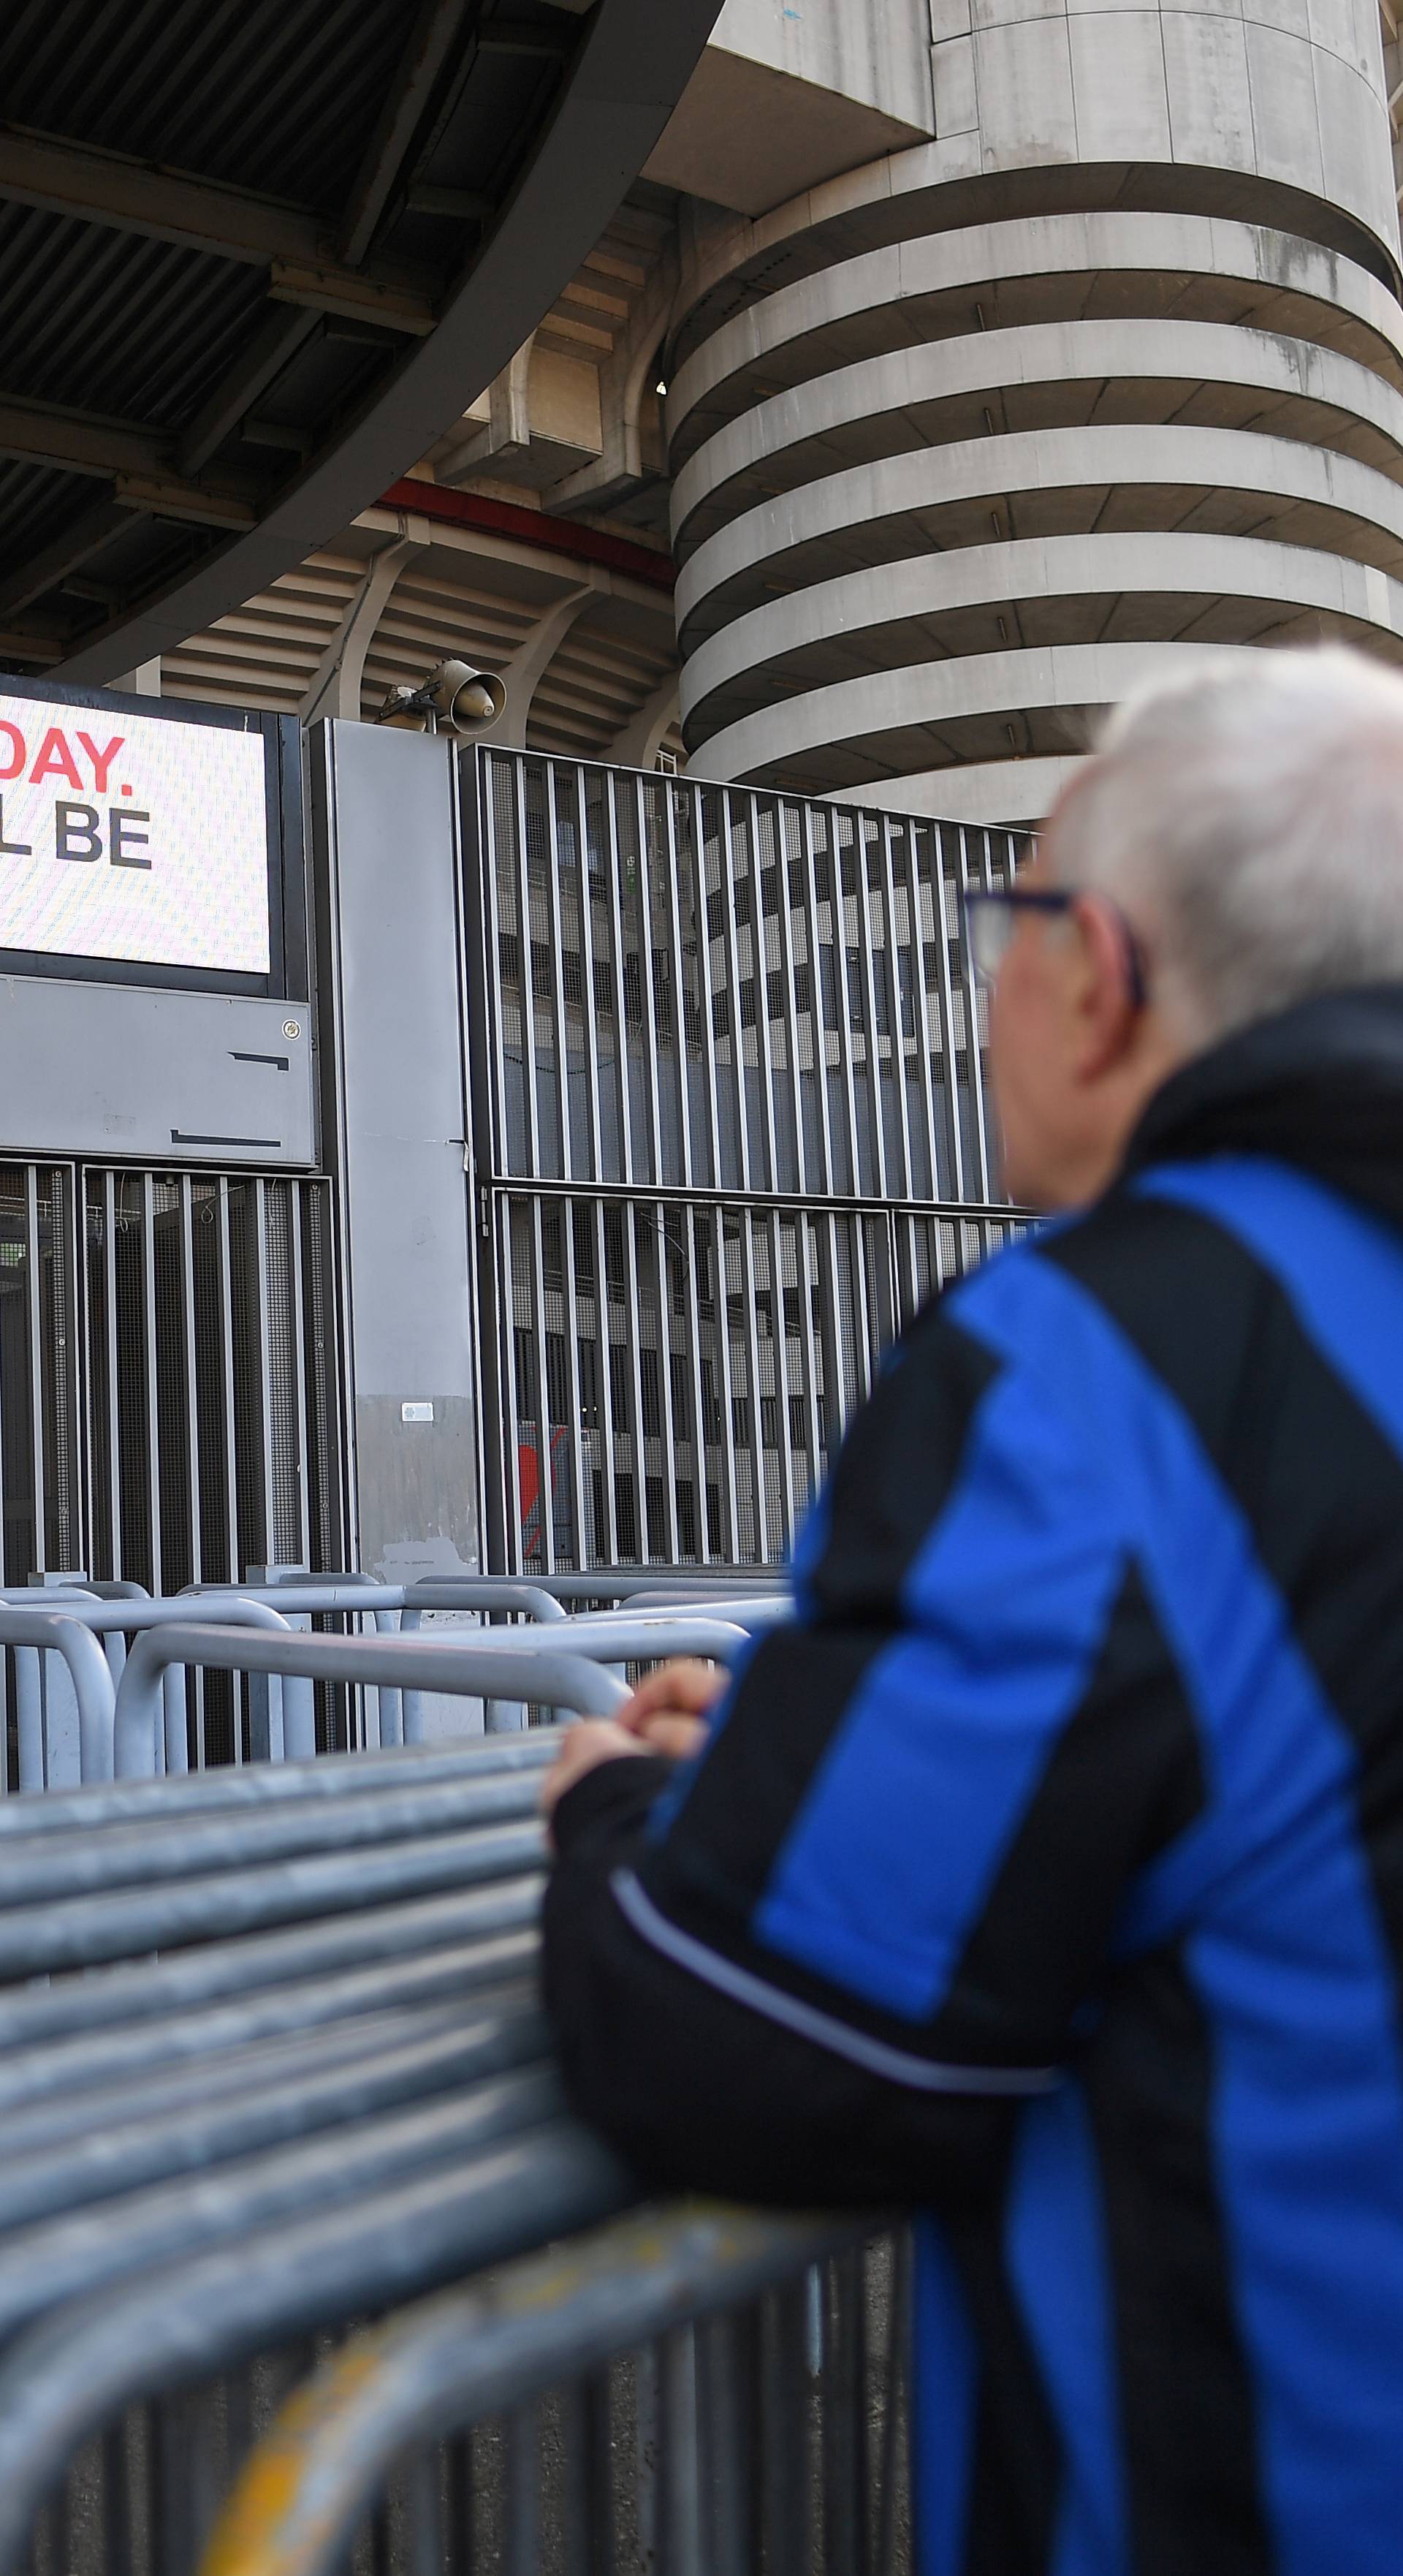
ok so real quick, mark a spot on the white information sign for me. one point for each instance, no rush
(132, 837)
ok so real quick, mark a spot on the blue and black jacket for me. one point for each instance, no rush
(1048, 1873)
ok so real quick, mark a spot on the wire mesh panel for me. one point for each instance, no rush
(731, 1132)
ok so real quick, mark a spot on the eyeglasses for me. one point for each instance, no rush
(991, 918)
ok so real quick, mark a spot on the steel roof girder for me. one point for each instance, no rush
(127, 195)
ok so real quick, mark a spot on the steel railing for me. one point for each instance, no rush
(271, 2062)
(110, 1687)
(744, 2338)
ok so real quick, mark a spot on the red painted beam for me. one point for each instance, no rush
(532, 528)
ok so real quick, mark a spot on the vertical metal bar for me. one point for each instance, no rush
(862, 1307)
(896, 2391)
(672, 895)
(678, 2464)
(528, 979)
(760, 962)
(691, 1219)
(658, 1229)
(488, 994)
(947, 996)
(869, 979)
(976, 1065)
(731, 889)
(634, 1329)
(727, 1396)
(706, 1019)
(570, 1336)
(606, 1381)
(807, 1263)
(458, 2504)
(789, 995)
(626, 1170)
(844, 1231)
(114, 1410)
(232, 1571)
(587, 994)
(299, 1369)
(888, 828)
(153, 1420)
(844, 2415)
(506, 1274)
(545, 1479)
(193, 1480)
(649, 1013)
(727, 893)
(116, 2515)
(928, 1086)
(746, 1223)
(780, 1341)
(847, 1061)
(784, 2394)
(36, 1368)
(523, 2491)
(557, 972)
(588, 2502)
(265, 1377)
(423, 2515)
(645, 2453)
(724, 2419)
(826, 1181)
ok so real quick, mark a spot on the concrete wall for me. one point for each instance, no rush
(787, 95)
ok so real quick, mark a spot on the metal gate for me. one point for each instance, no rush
(167, 1392)
(728, 1130)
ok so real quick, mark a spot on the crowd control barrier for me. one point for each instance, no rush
(271, 2064)
(64, 1735)
(756, 2359)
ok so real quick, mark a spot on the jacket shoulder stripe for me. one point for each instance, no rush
(894, 2065)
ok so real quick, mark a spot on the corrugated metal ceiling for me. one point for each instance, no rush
(227, 230)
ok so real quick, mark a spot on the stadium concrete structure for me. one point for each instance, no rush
(964, 359)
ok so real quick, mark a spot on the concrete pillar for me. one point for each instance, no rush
(1108, 375)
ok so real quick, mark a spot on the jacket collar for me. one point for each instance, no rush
(1319, 1086)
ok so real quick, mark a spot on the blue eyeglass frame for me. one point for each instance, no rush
(1054, 900)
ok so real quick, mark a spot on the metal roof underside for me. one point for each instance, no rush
(257, 255)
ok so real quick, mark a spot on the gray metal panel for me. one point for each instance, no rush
(104, 1069)
(388, 866)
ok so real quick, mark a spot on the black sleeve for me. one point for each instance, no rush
(878, 1915)
(698, 2092)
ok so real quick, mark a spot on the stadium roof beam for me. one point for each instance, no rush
(436, 24)
(137, 464)
(291, 269)
(123, 195)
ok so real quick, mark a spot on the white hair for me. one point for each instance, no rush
(1248, 821)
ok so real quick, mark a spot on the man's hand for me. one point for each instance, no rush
(665, 1715)
(669, 1709)
(594, 1740)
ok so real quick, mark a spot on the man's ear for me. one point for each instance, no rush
(1104, 1004)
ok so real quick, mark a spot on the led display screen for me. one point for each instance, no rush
(132, 837)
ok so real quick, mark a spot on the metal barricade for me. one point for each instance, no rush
(48, 1755)
(271, 2063)
(569, 1680)
(738, 2348)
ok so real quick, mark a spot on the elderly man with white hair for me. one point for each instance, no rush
(1047, 1874)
